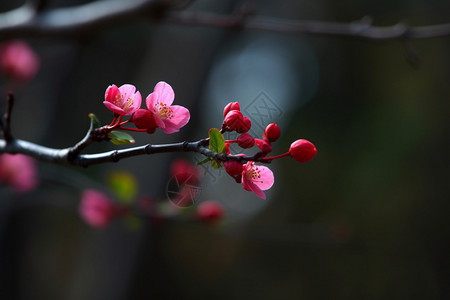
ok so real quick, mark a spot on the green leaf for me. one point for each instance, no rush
(120, 138)
(94, 121)
(124, 186)
(216, 144)
(216, 141)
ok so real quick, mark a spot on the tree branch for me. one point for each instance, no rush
(70, 155)
(28, 20)
(62, 22)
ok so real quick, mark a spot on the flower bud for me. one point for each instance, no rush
(19, 172)
(272, 132)
(245, 125)
(263, 145)
(233, 120)
(210, 212)
(185, 172)
(245, 141)
(231, 106)
(302, 150)
(96, 208)
(233, 167)
(144, 119)
(18, 60)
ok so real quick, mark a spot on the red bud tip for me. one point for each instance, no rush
(272, 132)
(210, 212)
(302, 150)
(231, 106)
(245, 141)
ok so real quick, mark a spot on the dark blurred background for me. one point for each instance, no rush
(367, 218)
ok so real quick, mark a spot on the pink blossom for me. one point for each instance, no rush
(18, 60)
(124, 100)
(167, 116)
(96, 208)
(210, 212)
(18, 171)
(185, 172)
(256, 178)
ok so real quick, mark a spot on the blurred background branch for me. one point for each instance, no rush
(32, 20)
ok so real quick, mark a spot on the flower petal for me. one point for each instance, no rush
(114, 108)
(180, 118)
(248, 185)
(165, 91)
(266, 180)
(151, 100)
(135, 104)
(160, 123)
(127, 91)
(111, 92)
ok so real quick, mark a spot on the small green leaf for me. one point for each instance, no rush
(216, 144)
(124, 186)
(120, 138)
(216, 141)
(94, 121)
(203, 161)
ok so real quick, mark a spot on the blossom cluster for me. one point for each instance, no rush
(126, 101)
(253, 177)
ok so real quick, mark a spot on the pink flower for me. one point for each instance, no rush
(96, 208)
(210, 212)
(18, 60)
(124, 100)
(185, 172)
(256, 179)
(18, 171)
(167, 116)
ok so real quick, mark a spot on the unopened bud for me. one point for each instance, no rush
(144, 119)
(272, 132)
(231, 106)
(302, 150)
(233, 120)
(233, 167)
(245, 141)
(245, 125)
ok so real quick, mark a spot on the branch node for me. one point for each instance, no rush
(148, 149)
(115, 156)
